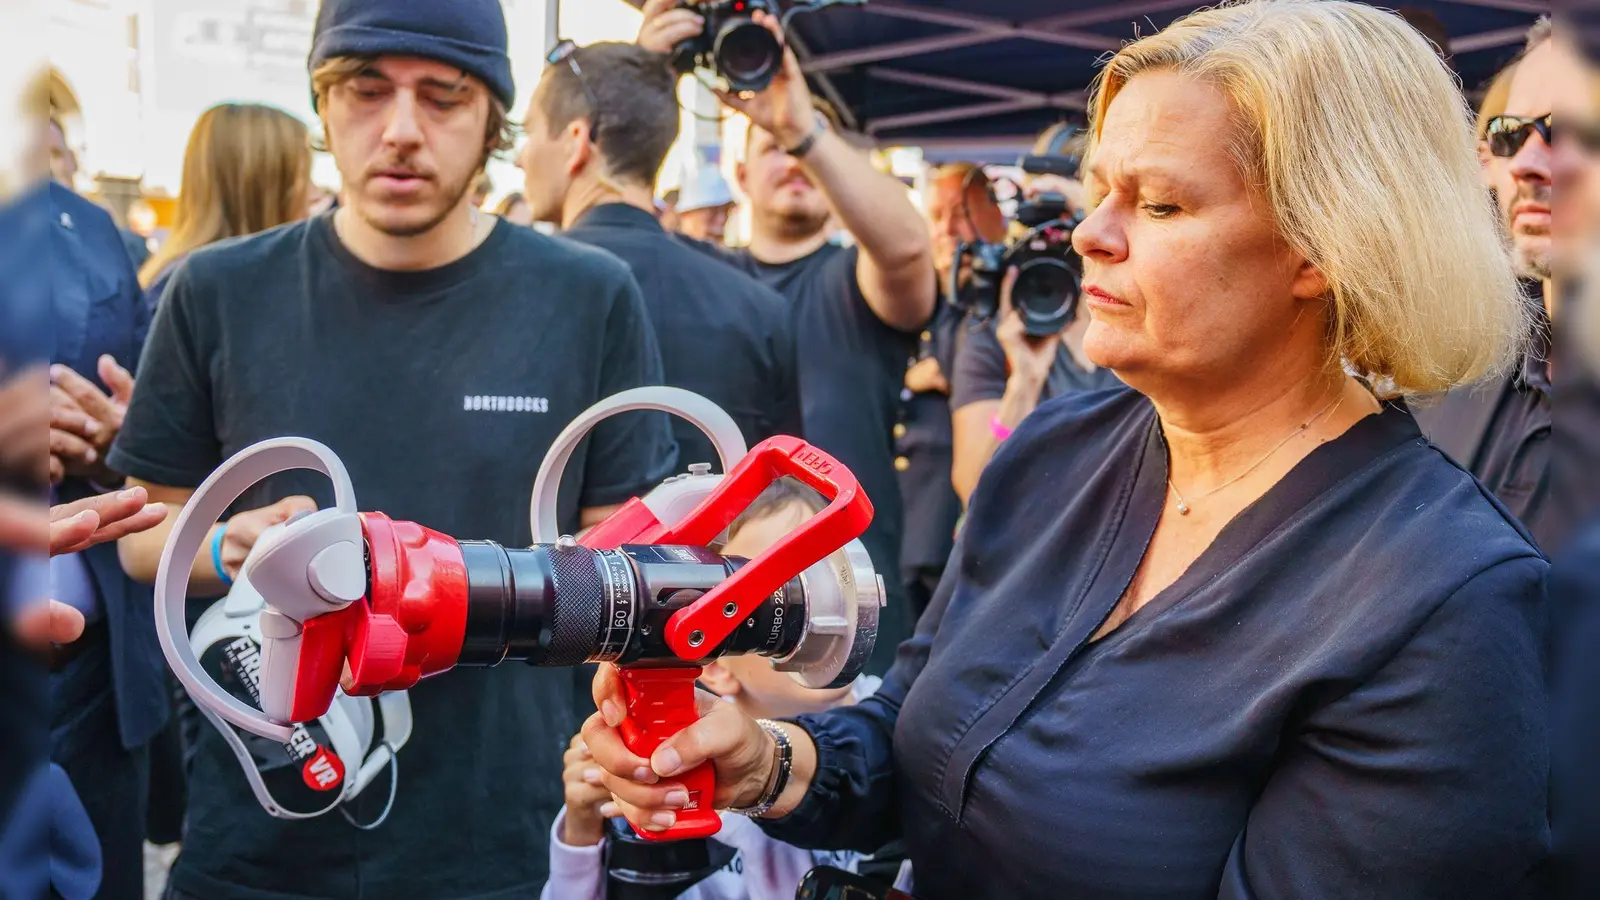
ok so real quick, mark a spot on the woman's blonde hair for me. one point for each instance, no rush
(247, 168)
(1363, 145)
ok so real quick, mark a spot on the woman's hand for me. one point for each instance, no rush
(738, 749)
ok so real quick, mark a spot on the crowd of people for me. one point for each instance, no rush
(1236, 585)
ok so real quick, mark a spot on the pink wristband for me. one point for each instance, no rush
(998, 428)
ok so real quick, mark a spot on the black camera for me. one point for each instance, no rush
(1049, 271)
(732, 45)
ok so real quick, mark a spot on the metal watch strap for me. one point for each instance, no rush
(782, 764)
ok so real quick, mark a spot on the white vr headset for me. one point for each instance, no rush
(336, 757)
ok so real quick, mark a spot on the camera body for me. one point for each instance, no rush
(732, 45)
(1049, 271)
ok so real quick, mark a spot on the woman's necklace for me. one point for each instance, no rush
(1183, 505)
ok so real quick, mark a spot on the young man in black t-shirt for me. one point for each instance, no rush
(592, 172)
(438, 351)
(856, 311)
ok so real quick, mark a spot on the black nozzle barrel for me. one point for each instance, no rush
(561, 605)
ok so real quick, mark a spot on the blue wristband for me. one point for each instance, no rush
(216, 555)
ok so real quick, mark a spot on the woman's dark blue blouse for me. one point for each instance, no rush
(1341, 698)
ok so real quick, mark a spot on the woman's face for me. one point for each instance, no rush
(1185, 276)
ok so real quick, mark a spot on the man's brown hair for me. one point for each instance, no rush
(499, 133)
(637, 121)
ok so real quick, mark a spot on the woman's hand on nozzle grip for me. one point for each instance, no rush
(739, 751)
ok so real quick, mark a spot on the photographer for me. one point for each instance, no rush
(1001, 371)
(856, 311)
(961, 209)
(723, 334)
(438, 351)
(1233, 630)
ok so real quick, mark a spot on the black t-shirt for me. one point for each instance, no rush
(723, 334)
(981, 371)
(852, 368)
(441, 391)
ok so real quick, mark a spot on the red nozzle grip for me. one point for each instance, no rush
(661, 704)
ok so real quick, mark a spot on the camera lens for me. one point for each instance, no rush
(1046, 294)
(747, 55)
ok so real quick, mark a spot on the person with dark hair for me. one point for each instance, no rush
(439, 352)
(857, 310)
(597, 132)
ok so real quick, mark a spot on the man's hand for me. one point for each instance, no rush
(785, 108)
(666, 25)
(243, 530)
(68, 528)
(95, 520)
(1029, 358)
(927, 378)
(24, 425)
(585, 790)
(85, 420)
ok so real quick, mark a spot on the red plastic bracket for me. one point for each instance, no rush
(705, 623)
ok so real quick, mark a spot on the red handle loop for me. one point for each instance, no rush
(661, 704)
(708, 621)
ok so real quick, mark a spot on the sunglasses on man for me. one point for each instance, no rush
(1507, 134)
(564, 52)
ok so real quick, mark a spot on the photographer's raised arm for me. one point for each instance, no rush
(895, 271)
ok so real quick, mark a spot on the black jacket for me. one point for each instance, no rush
(99, 309)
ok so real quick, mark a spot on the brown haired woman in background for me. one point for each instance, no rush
(247, 169)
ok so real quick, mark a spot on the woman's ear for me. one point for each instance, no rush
(1309, 282)
(720, 680)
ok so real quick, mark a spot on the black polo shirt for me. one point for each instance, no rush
(723, 334)
(851, 367)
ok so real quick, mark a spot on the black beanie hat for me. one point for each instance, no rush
(467, 34)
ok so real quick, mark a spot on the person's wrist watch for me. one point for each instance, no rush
(818, 126)
(782, 764)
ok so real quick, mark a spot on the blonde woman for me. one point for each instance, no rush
(1236, 630)
(247, 168)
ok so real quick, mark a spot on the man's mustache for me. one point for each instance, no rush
(1532, 193)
